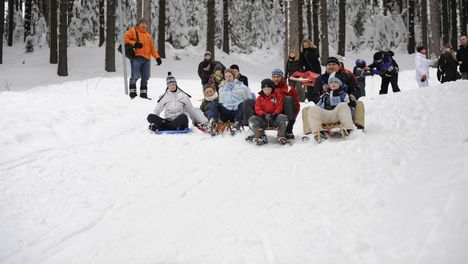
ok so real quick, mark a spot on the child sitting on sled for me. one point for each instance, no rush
(177, 107)
(268, 108)
(332, 108)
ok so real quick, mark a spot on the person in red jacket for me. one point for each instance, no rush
(291, 104)
(142, 41)
(268, 113)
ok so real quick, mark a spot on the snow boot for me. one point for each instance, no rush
(133, 93)
(320, 137)
(153, 127)
(250, 138)
(289, 129)
(144, 92)
(262, 140)
(282, 140)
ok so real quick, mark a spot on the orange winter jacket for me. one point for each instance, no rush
(145, 39)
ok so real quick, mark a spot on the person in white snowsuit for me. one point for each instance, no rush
(177, 107)
(421, 66)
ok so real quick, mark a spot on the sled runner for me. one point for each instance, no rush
(333, 130)
(173, 132)
(220, 127)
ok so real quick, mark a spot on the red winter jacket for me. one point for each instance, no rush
(271, 104)
(284, 90)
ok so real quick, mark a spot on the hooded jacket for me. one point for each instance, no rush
(231, 94)
(145, 39)
(177, 103)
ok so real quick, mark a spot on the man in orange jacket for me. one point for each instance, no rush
(142, 41)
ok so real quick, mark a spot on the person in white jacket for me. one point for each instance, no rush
(421, 65)
(177, 108)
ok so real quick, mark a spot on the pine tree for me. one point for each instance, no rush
(315, 18)
(110, 36)
(424, 23)
(11, 25)
(453, 23)
(226, 26)
(210, 31)
(342, 28)
(411, 40)
(2, 28)
(53, 38)
(62, 69)
(435, 27)
(300, 26)
(324, 30)
(102, 25)
(27, 18)
(162, 29)
(445, 21)
(294, 27)
(309, 19)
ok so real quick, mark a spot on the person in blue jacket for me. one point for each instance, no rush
(385, 66)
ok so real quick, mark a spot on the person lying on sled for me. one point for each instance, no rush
(177, 107)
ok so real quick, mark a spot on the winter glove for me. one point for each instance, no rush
(158, 61)
(138, 45)
(352, 101)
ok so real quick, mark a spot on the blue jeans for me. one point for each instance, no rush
(464, 75)
(140, 66)
(218, 111)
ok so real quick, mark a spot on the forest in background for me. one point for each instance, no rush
(233, 26)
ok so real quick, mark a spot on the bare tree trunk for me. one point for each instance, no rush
(453, 26)
(300, 26)
(294, 23)
(2, 28)
(286, 30)
(315, 18)
(70, 10)
(139, 6)
(102, 25)
(342, 28)
(147, 14)
(11, 25)
(110, 36)
(445, 21)
(162, 29)
(226, 26)
(324, 30)
(411, 41)
(62, 69)
(309, 20)
(463, 16)
(435, 27)
(424, 23)
(27, 18)
(210, 32)
(53, 38)
(45, 10)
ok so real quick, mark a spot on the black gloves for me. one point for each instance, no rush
(158, 61)
(138, 45)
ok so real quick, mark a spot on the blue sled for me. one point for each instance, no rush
(184, 131)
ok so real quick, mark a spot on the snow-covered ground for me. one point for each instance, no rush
(82, 180)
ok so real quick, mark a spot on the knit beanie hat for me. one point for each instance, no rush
(170, 78)
(277, 72)
(334, 79)
(234, 67)
(268, 83)
(332, 60)
(207, 53)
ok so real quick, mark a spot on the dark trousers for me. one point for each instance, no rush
(290, 110)
(257, 122)
(179, 123)
(218, 111)
(249, 110)
(386, 80)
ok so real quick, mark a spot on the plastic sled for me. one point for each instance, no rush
(307, 78)
(172, 132)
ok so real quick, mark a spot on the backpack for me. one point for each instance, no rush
(129, 49)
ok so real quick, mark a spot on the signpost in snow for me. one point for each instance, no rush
(124, 63)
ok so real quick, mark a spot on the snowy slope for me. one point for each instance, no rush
(82, 180)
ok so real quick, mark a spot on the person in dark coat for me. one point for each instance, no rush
(385, 66)
(209, 95)
(447, 66)
(309, 57)
(462, 57)
(239, 76)
(294, 65)
(206, 67)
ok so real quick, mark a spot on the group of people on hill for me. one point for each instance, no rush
(451, 65)
(228, 98)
